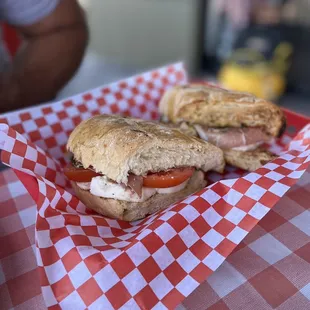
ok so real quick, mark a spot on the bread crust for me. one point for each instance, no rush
(249, 160)
(216, 107)
(131, 211)
(116, 146)
(184, 127)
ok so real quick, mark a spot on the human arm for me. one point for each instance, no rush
(55, 46)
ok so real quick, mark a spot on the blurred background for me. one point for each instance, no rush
(259, 46)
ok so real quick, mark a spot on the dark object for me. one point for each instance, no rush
(299, 73)
(263, 39)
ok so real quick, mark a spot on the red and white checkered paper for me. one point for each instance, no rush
(87, 261)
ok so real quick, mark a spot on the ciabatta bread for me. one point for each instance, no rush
(131, 211)
(249, 160)
(183, 127)
(216, 107)
(116, 146)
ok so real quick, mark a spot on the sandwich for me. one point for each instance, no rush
(126, 168)
(238, 123)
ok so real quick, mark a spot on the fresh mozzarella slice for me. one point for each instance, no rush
(201, 132)
(249, 147)
(84, 185)
(102, 187)
(173, 189)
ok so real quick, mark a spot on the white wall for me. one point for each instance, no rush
(144, 33)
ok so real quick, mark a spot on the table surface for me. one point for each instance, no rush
(270, 269)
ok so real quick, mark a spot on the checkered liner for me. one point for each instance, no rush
(87, 261)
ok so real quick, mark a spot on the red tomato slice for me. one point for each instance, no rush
(79, 174)
(170, 178)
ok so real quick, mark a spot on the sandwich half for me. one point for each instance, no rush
(238, 123)
(126, 168)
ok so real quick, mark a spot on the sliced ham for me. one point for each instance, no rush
(135, 182)
(227, 138)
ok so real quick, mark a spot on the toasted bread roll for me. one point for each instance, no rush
(216, 107)
(249, 160)
(116, 147)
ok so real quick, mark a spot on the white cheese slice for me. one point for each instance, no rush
(171, 190)
(201, 132)
(102, 187)
(246, 148)
(84, 185)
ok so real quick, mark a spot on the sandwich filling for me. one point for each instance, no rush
(242, 139)
(238, 139)
(138, 188)
(101, 186)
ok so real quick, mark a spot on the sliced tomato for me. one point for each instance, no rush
(170, 178)
(79, 174)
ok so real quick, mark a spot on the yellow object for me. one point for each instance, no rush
(281, 57)
(248, 71)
